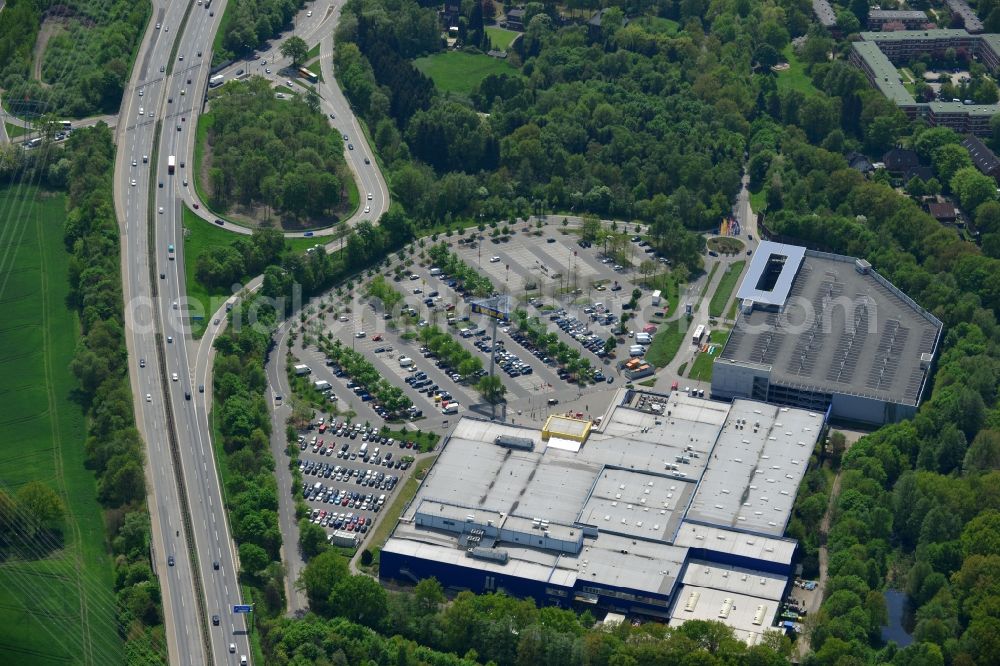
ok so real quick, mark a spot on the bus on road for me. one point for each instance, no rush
(308, 75)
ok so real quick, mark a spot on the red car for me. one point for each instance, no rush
(377, 338)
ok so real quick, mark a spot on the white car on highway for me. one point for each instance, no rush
(174, 376)
(149, 398)
(368, 209)
(161, 210)
(133, 182)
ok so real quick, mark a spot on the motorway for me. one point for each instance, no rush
(158, 397)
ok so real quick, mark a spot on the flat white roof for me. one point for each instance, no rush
(693, 535)
(739, 611)
(756, 467)
(771, 273)
(735, 579)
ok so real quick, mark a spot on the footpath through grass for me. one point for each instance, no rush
(725, 289)
(56, 606)
(457, 72)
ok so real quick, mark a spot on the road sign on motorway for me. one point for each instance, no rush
(242, 608)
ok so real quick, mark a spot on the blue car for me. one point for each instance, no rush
(308, 234)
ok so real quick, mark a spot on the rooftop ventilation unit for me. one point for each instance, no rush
(692, 601)
(727, 607)
(489, 554)
(520, 443)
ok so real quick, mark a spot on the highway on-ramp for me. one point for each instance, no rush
(360, 157)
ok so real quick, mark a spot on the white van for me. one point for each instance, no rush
(643, 338)
(405, 361)
(636, 351)
(436, 271)
(451, 408)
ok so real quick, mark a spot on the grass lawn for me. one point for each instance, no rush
(312, 53)
(199, 236)
(15, 131)
(59, 607)
(726, 245)
(666, 342)
(459, 72)
(659, 25)
(701, 369)
(758, 201)
(725, 289)
(500, 37)
(795, 77)
(284, 89)
(227, 16)
(389, 518)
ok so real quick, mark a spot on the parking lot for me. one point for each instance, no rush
(350, 473)
(575, 291)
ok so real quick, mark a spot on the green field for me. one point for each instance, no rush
(795, 77)
(655, 24)
(459, 72)
(758, 201)
(58, 609)
(199, 235)
(725, 289)
(15, 131)
(500, 37)
(701, 369)
(313, 53)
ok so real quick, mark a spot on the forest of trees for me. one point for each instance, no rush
(114, 449)
(86, 63)
(281, 153)
(253, 22)
(639, 126)
(348, 610)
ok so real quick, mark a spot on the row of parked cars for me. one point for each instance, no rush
(511, 364)
(341, 521)
(523, 340)
(580, 332)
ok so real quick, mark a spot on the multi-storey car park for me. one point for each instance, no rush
(670, 507)
(828, 333)
(877, 51)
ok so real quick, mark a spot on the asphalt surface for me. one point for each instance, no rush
(209, 528)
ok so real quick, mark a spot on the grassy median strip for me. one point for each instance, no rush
(725, 289)
(387, 521)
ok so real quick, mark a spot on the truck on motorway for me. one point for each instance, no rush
(171, 163)
(302, 369)
(216, 81)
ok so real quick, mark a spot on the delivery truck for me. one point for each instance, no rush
(171, 163)
(216, 81)
(302, 369)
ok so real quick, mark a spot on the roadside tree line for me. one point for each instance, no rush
(114, 449)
